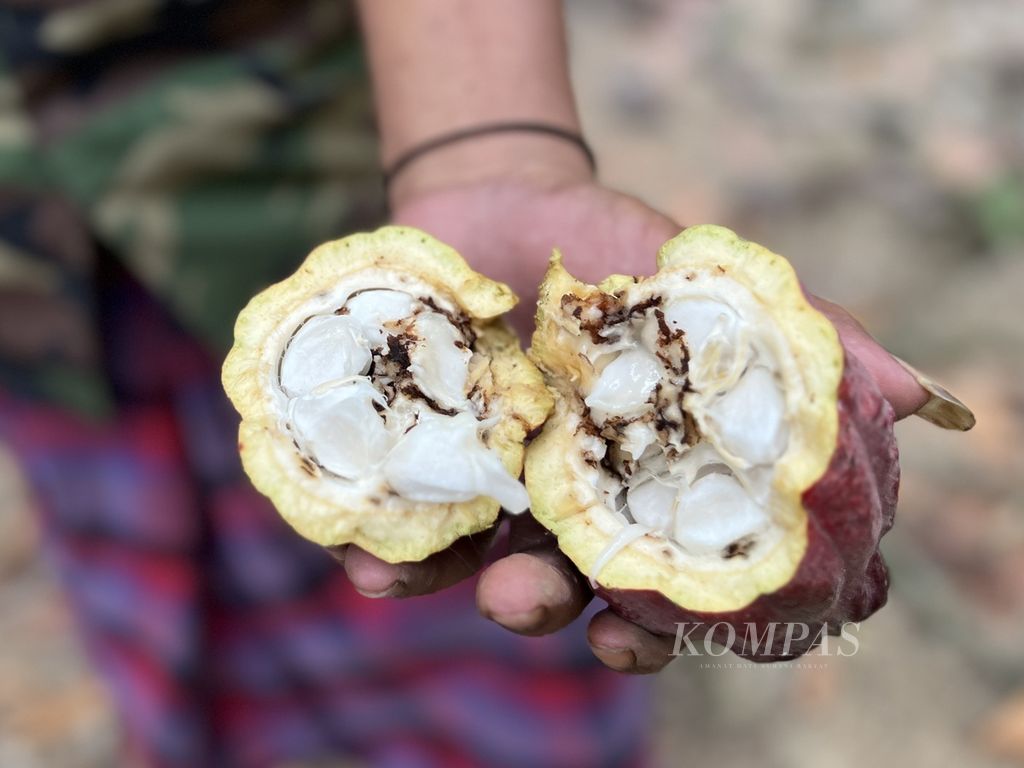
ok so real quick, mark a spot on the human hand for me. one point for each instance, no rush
(504, 200)
(507, 230)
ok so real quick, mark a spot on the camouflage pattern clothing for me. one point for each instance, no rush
(206, 144)
(160, 162)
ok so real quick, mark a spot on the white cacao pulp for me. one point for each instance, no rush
(683, 415)
(377, 393)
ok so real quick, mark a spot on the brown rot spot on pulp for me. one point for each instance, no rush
(738, 548)
(600, 314)
(410, 389)
(640, 308)
(522, 422)
(533, 434)
(309, 466)
(398, 350)
(586, 424)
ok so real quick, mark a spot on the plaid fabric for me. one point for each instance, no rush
(207, 144)
(199, 148)
(227, 640)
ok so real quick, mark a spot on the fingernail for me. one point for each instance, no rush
(395, 589)
(525, 621)
(943, 409)
(619, 659)
(338, 552)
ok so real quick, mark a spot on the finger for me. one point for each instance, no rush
(898, 385)
(373, 577)
(338, 552)
(535, 590)
(625, 647)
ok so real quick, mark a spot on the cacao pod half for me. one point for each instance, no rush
(715, 457)
(383, 400)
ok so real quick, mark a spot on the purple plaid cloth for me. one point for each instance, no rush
(227, 640)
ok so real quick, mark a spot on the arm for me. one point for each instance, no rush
(504, 201)
(443, 65)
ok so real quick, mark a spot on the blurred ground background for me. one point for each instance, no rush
(879, 144)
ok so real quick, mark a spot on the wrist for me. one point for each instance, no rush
(538, 159)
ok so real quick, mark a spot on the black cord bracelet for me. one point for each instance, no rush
(444, 140)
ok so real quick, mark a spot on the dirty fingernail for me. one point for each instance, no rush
(943, 408)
